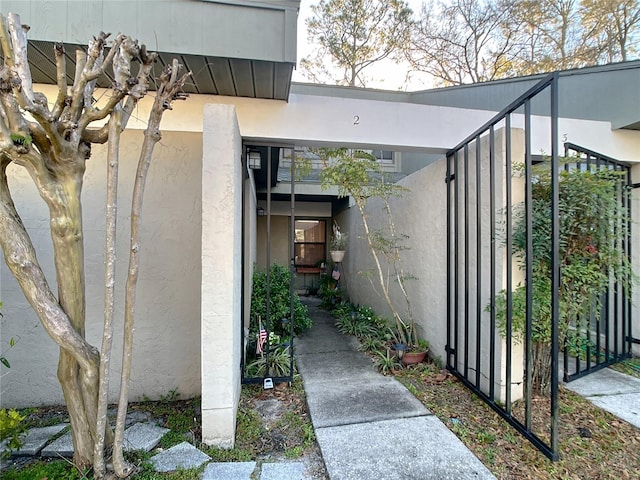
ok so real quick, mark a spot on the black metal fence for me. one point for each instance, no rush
(604, 336)
(258, 351)
(486, 347)
(506, 320)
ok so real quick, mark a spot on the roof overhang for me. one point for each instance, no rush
(242, 48)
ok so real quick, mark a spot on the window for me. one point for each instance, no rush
(387, 159)
(383, 156)
(309, 246)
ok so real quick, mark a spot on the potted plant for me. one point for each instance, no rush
(338, 244)
(416, 353)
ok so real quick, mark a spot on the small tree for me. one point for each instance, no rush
(593, 226)
(52, 141)
(353, 35)
(358, 174)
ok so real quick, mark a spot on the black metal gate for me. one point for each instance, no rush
(604, 337)
(266, 357)
(493, 243)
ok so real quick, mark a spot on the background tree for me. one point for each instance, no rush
(463, 41)
(352, 35)
(617, 23)
(466, 41)
(52, 141)
(553, 36)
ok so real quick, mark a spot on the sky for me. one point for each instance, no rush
(385, 75)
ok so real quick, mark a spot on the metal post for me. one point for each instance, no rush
(555, 262)
(509, 253)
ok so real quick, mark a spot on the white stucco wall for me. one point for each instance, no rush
(421, 214)
(222, 249)
(324, 120)
(167, 332)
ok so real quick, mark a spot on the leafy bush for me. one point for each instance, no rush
(593, 225)
(279, 306)
(11, 428)
(330, 292)
(279, 363)
(386, 363)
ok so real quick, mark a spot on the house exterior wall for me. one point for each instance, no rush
(281, 226)
(327, 121)
(421, 214)
(222, 249)
(168, 295)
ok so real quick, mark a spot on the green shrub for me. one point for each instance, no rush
(11, 428)
(279, 306)
(593, 226)
(330, 292)
(279, 364)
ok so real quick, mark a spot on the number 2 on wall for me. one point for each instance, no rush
(356, 119)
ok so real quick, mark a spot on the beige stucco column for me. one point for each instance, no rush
(221, 274)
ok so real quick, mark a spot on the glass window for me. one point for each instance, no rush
(309, 244)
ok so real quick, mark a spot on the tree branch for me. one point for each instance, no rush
(61, 76)
(170, 89)
(22, 262)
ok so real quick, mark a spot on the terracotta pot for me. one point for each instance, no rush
(337, 255)
(411, 358)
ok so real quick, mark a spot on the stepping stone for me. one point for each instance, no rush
(229, 471)
(183, 455)
(37, 438)
(61, 447)
(142, 436)
(278, 471)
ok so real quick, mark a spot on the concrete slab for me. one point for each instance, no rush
(326, 338)
(229, 471)
(361, 400)
(61, 447)
(142, 436)
(612, 391)
(183, 455)
(605, 382)
(408, 448)
(625, 406)
(334, 367)
(282, 471)
(37, 438)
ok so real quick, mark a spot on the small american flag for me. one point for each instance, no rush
(262, 337)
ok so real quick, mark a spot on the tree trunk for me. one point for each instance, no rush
(80, 388)
(541, 368)
(78, 365)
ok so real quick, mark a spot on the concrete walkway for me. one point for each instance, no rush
(612, 391)
(369, 425)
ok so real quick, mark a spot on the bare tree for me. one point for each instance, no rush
(52, 141)
(463, 42)
(352, 35)
(617, 23)
(468, 41)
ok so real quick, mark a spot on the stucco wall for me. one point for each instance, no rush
(222, 249)
(168, 296)
(421, 214)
